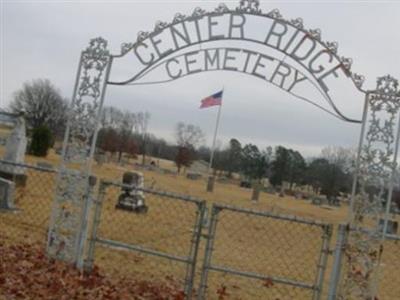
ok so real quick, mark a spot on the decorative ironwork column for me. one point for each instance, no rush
(67, 228)
(372, 190)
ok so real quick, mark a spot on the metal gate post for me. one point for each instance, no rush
(89, 261)
(209, 248)
(191, 266)
(373, 185)
(324, 253)
(337, 263)
(83, 231)
(70, 207)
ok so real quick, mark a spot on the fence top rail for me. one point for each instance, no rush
(28, 166)
(392, 237)
(161, 193)
(120, 245)
(262, 277)
(268, 214)
(388, 236)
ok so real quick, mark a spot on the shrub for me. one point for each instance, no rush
(41, 141)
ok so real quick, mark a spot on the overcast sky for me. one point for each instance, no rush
(43, 39)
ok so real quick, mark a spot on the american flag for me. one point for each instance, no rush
(215, 99)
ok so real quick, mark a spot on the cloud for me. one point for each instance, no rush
(43, 39)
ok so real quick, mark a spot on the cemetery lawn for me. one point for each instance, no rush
(168, 227)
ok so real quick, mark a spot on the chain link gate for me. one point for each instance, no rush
(25, 204)
(160, 244)
(260, 255)
(389, 259)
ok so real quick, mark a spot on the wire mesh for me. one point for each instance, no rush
(263, 256)
(389, 284)
(159, 244)
(254, 255)
(33, 196)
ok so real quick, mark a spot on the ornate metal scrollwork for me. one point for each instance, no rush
(222, 8)
(358, 79)
(160, 25)
(298, 23)
(142, 35)
(275, 14)
(375, 175)
(332, 46)
(198, 12)
(249, 6)
(315, 33)
(388, 85)
(126, 47)
(72, 183)
(179, 18)
(346, 62)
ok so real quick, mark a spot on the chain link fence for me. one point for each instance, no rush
(389, 285)
(259, 255)
(27, 193)
(227, 253)
(147, 234)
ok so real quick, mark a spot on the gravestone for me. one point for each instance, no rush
(210, 184)
(100, 159)
(132, 199)
(318, 200)
(124, 161)
(169, 172)
(44, 165)
(245, 184)
(193, 176)
(256, 193)
(333, 201)
(15, 153)
(7, 189)
(282, 191)
(392, 226)
(270, 190)
(223, 180)
(3, 140)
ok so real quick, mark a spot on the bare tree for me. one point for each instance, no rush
(111, 117)
(42, 105)
(343, 158)
(188, 135)
(140, 126)
(124, 129)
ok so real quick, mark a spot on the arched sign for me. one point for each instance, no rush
(236, 40)
(300, 57)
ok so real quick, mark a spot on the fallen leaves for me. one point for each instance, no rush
(268, 283)
(26, 273)
(222, 292)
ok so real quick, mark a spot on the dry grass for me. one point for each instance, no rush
(245, 243)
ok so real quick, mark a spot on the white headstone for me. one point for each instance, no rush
(16, 142)
(16, 146)
(7, 189)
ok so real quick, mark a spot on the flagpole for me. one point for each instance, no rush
(215, 136)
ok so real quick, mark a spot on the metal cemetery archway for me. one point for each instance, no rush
(301, 58)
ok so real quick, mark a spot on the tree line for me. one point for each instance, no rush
(122, 131)
(331, 173)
